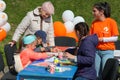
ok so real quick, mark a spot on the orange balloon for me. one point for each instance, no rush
(59, 29)
(2, 34)
(73, 35)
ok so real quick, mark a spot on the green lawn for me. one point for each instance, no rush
(17, 9)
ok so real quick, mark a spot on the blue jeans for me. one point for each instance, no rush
(81, 78)
(101, 58)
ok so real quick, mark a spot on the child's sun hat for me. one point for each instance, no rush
(29, 39)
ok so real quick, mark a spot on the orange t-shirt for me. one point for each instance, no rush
(106, 28)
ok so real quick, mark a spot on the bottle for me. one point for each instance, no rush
(52, 68)
(60, 55)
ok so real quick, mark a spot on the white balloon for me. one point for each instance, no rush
(67, 15)
(6, 27)
(69, 26)
(3, 18)
(2, 5)
(78, 19)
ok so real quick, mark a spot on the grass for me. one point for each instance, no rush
(17, 9)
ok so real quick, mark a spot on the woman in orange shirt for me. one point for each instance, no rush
(107, 31)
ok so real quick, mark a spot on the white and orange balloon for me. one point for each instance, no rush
(67, 28)
(59, 29)
(2, 5)
(78, 19)
(4, 25)
(67, 15)
(3, 18)
(2, 34)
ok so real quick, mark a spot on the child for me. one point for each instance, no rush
(42, 45)
(41, 41)
(84, 54)
(107, 32)
(27, 55)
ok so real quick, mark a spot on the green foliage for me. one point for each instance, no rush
(17, 9)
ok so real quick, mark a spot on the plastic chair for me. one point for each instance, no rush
(110, 71)
(65, 41)
(6, 75)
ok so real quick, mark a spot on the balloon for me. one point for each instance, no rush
(67, 15)
(6, 27)
(3, 18)
(2, 5)
(73, 35)
(69, 26)
(59, 29)
(2, 34)
(78, 19)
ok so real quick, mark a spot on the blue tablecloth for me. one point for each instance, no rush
(40, 73)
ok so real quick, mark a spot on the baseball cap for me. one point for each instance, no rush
(41, 34)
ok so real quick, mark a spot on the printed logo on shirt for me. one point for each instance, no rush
(106, 29)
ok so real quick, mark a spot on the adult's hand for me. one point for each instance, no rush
(69, 56)
(12, 43)
(100, 39)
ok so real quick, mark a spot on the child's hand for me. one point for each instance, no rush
(42, 49)
(49, 54)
